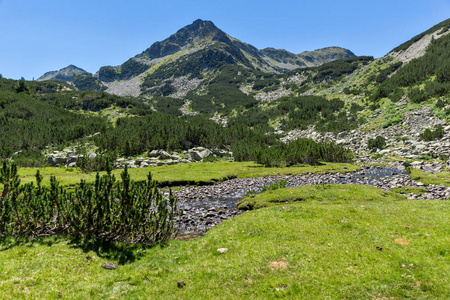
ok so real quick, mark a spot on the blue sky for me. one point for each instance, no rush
(40, 36)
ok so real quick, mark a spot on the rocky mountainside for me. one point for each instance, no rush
(327, 94)
(194, 51)
(65, 74)
(285, 60)
(203, 88)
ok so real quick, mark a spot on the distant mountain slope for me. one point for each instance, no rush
(417, 46)
(179, 63)
(65, 74)
(324, 55)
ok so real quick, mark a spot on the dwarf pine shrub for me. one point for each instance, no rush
(429, 135)
(107, 210)
(302, 151)
(379, 142)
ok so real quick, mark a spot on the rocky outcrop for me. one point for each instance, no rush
(66, 158)
(69, 157)
(402, 140)
(162, 158)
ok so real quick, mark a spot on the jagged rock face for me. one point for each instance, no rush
(65, 74)
(187, 36)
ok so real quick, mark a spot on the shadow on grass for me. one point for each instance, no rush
(119, 252)
(9, 243)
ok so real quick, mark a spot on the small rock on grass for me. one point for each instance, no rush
(222, 250)
(109, 266)
(181, 284)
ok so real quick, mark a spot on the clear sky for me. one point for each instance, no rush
(37, 36)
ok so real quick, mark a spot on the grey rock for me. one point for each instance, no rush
(154, 153)
(72, 160)
(109, 266)
(175, 157)
(59, 160)
(219, 152)
(200, 153)
(416, 163)
(164, 155)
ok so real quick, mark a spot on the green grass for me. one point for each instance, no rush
(195, 173)
(430, 178)
(409, 189)
(360, 248)
(336, 193)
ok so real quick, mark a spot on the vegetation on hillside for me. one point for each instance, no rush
(29, 125)
(37, 115)
(423, 78)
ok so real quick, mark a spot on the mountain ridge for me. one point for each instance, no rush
(197, 49)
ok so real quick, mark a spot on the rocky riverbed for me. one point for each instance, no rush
(206, 206)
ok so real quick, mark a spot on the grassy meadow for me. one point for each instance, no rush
(338, 242)
(193, 173)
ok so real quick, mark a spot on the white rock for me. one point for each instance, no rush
(222, 250)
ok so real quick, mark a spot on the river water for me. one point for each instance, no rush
(206, 206)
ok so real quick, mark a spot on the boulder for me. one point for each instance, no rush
(72, 160)
(138, 161)
(92, 155)
(200, 154)
(219, 152)
(175, 157)
(59, 160)
(154, 153)
(417, 163)
(164, 155)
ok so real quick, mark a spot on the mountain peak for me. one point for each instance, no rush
(195, 33)
(65, 74)
(202, 23)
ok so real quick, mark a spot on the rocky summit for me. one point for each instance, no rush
(65, 74)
